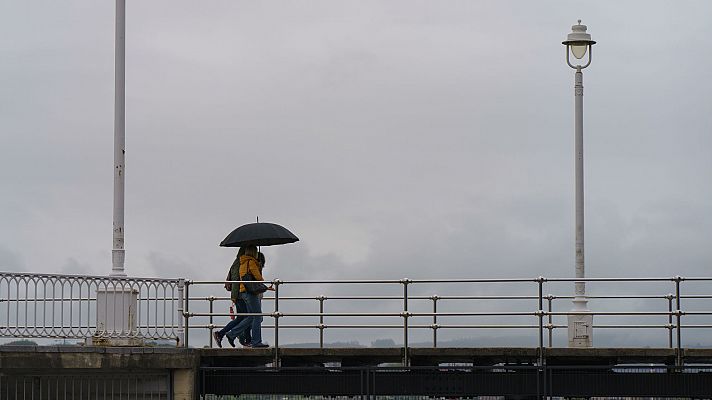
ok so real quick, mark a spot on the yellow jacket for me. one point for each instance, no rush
(249, 264)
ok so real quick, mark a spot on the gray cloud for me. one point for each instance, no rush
(74, 267)
(10, 261)
(162, 265)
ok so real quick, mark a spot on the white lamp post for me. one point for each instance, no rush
(116, 308)
(579, 43)
(117, 252)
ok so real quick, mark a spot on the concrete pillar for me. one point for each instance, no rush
(184, 387)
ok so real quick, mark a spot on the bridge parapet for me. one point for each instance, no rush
(98, 308)
(79, 372)
(178, 373)
(407, 303)
(37, 358)
(71, 306)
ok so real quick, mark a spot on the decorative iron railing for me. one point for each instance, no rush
(82, 307)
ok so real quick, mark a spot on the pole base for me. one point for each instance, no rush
(580, 325)
(117, 262)
(116, 317)
(114, 342)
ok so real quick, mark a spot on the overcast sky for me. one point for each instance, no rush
(397, 139)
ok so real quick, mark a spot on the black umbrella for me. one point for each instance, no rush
(259, 234)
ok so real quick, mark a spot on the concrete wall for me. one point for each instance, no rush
(98, 372)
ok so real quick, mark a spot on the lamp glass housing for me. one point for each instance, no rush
(579, 50)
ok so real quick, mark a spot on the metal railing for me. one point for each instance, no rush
(542, 319)
(456, 381)
(81, 307)
(142, 385)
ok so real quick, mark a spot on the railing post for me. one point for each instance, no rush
(540, 312)
(435, 319)
(550, 326)
(670, 326)
(186, 312)
(321, 320)
(276, 283)
(211, 299)
(181, 310)
(362, 384)
(678, 359)
(406, 355)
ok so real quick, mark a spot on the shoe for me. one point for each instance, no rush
(218, 339)
(244, 341)
(259, 345)
(230, 340)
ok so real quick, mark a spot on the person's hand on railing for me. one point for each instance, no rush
(270, 287)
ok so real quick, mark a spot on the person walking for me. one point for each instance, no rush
(249, 265)
(240, 307)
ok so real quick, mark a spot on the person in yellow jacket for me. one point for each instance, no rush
(249, 264)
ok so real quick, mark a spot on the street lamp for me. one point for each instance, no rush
(116, 309)
(579, 43)
(118, 252)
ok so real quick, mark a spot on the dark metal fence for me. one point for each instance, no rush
(85, 386)
(458, 381)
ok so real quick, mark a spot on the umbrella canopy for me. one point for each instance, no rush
(259, 234)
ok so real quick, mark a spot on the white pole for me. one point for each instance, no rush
(117, 253)
(580, 326)
(578, 96)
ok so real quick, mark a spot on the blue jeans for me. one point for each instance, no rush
(240, 307)
(253, 322)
